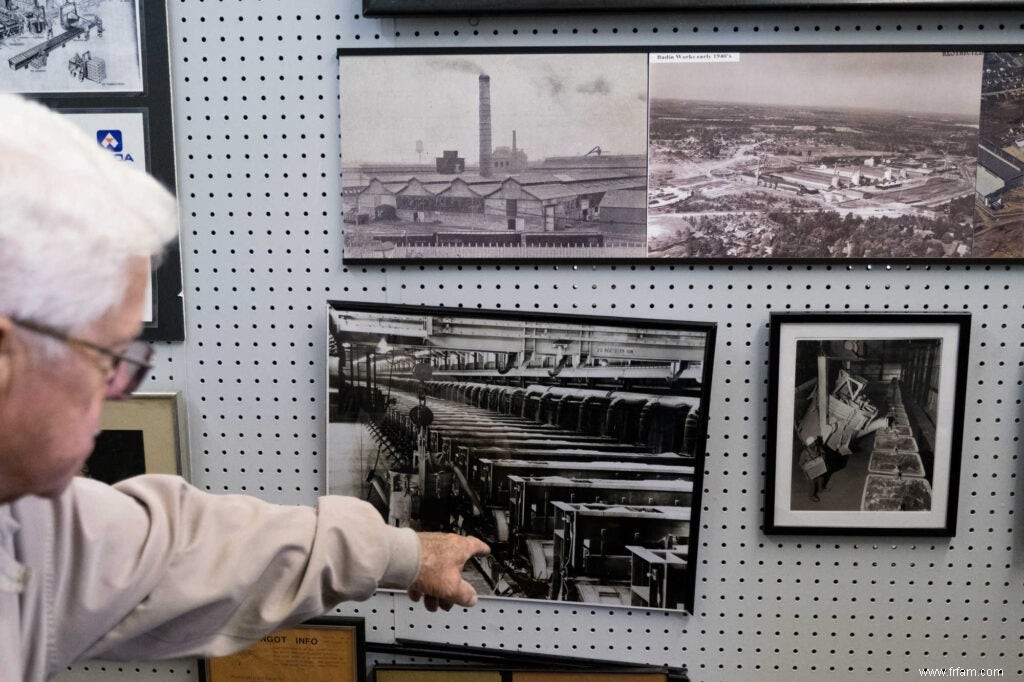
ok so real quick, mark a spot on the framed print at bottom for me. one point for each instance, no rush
(865, 423)
(320, 649)
(144, 434)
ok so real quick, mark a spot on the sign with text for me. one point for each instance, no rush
(320, 650)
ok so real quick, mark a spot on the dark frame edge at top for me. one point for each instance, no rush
(661, 47)
(425, 8)
(499, 313)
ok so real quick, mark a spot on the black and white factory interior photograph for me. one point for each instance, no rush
(869, 419)
(573, 446)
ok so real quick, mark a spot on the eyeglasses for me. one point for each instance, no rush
(127, 369)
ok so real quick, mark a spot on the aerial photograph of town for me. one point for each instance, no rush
(814, 155)
(494, 156)
(999, 209)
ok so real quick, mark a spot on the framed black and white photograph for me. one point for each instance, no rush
(642, 152)
(71, 47)
(143, 434)
(504, 156)
(573, 445)
(865, 422)
(813, 155)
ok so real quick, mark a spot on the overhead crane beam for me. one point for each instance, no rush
(538, 338)
(611, 346)
(611, 372)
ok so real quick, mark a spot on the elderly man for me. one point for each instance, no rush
(150, 568)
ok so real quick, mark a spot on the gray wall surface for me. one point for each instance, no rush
(256, 119)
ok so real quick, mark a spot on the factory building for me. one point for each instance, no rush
(375, 202)
(795, 181)
(503, 203)
(624, 206)
(610, 163)
(509, 159)
(998, 172)
(450, 163)
(537, 202)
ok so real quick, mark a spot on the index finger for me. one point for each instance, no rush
(477, 547)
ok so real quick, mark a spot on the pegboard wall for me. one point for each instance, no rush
(256, 120)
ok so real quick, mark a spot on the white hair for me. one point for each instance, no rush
(71, 219)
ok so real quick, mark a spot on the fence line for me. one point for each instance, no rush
(501, 251)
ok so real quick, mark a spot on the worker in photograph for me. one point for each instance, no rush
(152, 567)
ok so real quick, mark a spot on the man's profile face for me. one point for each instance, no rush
(50, 408)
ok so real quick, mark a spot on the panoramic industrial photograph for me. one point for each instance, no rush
(493, 156)
(572, 446)
(814, 155)
(999, 206)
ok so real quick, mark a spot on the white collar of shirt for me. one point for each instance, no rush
(13, 575)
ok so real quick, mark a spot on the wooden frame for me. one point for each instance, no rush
(143, 434)
(492, 163)
(865, 422)
(322, 648)
(516, 451)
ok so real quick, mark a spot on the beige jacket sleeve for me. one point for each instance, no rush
(155, 568)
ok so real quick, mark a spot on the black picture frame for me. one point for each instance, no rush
(402, 8)
(518, 451)
(448, 672)
(308, 629)
(153, 101)
(504, 659)
(865, 423)
(413, 191)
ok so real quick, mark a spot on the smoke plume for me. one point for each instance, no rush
(598, 86)
(459, 65)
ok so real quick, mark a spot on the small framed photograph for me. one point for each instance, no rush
(144, 434)
(320, 649)
(865, 422)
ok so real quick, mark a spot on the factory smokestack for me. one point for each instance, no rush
(486, 164)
